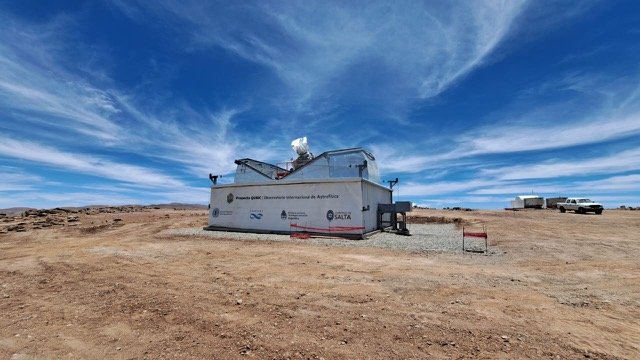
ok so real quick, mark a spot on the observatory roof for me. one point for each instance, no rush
(522, 197)
(344, 163)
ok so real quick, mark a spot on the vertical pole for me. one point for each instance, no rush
(486, 236)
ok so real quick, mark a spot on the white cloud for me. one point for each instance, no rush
(200, 141)
(628, 160)
(614, 184)
(504, 139)
(33, 83)
(63, 109)
(13, 179)
(44, 199)
(90, 165)
(419, 49)
(442, 187)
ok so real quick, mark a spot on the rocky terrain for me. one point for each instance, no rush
(127, 283)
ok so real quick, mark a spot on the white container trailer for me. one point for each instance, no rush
(527, 201)
(336, 193)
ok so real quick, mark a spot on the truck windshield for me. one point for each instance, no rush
(584, 201)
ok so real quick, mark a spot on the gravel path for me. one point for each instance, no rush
(424, 237)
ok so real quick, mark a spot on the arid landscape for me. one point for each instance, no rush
(110, 283)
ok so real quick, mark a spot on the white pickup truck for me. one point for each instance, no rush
(580, 206)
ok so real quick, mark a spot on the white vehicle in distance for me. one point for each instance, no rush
(580, 206)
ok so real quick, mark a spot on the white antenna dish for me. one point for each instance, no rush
(300, 145)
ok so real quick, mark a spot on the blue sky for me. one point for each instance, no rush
(469, 103)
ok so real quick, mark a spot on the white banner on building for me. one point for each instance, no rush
(334, 207)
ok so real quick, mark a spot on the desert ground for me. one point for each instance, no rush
(110, 283)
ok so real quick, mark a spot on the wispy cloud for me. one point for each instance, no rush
(612, 114)
(14, 179)
(379, 75)
(200, 141)
(442, 187)
(33, 83)
(628, 160)
(601, 189)
(89, 165)
(44, 199)
(503, 139)
(66, 109)
(418, 49)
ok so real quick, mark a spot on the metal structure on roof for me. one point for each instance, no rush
(345, 163)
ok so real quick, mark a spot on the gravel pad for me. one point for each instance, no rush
(424, 237)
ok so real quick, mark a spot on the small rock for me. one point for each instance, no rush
(118, 348)
(505, 338)
(239, 301)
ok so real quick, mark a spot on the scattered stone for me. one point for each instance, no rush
(505, 338)
(245, 350)
(239, 302)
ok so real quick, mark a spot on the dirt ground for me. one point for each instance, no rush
(88, 286)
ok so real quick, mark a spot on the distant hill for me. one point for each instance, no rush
(14, 210)
(179, 205)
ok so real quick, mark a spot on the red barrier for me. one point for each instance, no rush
(330, 229)
(482, 235)
(300, 235)
(475, 234)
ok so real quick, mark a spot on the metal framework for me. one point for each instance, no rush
(476, 234)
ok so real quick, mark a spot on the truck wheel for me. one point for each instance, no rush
(580, 211)
(599, 212)
(562, 210)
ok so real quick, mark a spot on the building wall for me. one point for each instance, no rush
(315, 206)
(372, 195)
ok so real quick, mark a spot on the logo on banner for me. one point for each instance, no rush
(330, 215)
(255, 214)
(230, 198)
(215, 212)
(338, 215)
(283, 215)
